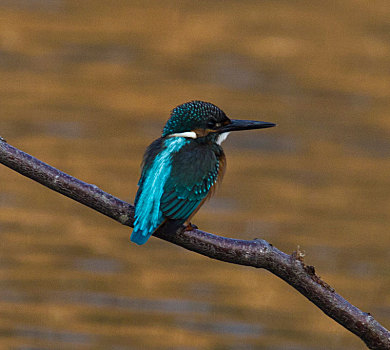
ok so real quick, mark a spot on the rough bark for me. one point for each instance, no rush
(256, 253)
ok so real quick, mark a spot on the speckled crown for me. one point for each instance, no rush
(190, 116)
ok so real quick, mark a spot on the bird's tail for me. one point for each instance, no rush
(140, 237)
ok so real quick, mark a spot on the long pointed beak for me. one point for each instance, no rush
(237, 124)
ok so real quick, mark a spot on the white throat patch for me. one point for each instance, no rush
(190, 134)
(222, 137)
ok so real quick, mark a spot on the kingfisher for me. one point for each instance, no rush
(180, 170)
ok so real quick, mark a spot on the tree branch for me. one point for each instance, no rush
(256, 253)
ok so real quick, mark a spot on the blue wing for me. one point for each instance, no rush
(156, 170)
(194, 173)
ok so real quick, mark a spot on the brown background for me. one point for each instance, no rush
(87, 85)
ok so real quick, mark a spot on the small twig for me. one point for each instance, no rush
(256, 253)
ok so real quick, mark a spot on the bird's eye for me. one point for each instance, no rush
(211, 124)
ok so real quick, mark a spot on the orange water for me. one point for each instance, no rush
(86, 86)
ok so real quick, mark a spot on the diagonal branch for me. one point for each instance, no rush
(256, 253)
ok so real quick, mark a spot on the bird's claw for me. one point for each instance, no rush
(191, 227)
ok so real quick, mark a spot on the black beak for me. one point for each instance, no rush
(237, 124)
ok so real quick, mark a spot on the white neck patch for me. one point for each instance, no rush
(190, 134)
(222, 137)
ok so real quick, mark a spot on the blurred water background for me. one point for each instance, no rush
(86, 85)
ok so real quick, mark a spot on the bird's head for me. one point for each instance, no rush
(197, 119)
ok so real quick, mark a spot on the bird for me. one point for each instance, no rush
(180, 170)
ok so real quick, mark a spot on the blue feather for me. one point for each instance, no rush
(148, 215)
(194, 172)
(187, 209)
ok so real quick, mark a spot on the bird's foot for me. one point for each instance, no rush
(190, 227)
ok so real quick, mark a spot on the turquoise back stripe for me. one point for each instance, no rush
(148, 215)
